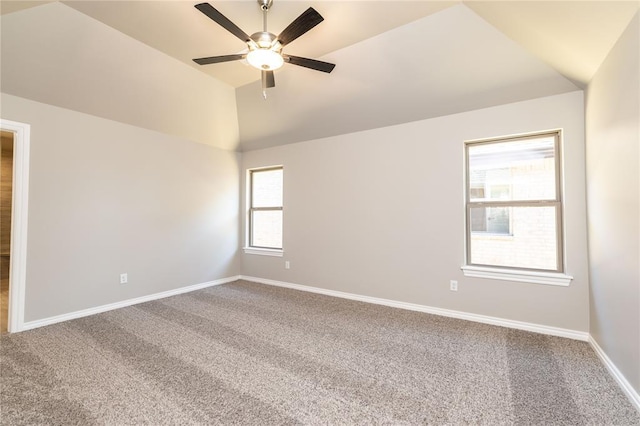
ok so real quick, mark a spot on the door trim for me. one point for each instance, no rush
(19, 218)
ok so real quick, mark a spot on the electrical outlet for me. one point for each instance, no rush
(287, 265)
(453, 285)
(124, 278)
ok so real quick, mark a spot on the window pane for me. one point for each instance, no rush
(492, 220)
(267, 188)
(478, 220)
(531, 244)
(266, 229)
(515, 170)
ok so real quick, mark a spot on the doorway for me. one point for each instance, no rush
(6, 202)
(17, 257)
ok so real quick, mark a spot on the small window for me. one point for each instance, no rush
(514, 204)
(265, 208)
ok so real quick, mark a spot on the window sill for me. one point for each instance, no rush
(263, 251)
(547, 278)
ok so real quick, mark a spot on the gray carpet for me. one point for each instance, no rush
(244, 353)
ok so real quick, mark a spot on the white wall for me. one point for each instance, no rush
(613, 191)
(380, 213)
(107, 198)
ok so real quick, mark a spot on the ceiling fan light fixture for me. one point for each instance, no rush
(265, 59)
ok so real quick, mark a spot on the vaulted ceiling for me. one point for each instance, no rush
(397, 61)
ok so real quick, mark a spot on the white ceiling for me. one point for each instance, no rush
(397, 61)
(459, 63)
(181, 31)
(572, 36)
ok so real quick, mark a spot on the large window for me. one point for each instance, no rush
(265, 208)
(514, 203)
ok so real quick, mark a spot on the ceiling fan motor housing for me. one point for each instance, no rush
(264, 39)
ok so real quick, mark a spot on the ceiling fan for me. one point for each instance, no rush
(265, 48)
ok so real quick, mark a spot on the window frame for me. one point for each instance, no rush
(250, 248)
(512, 273)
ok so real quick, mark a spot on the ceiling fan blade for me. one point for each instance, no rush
(303, 23)
(218, 59)
(222, 20)
(309, 63)
(268, 80)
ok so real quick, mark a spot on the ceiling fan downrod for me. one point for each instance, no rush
(265, 5)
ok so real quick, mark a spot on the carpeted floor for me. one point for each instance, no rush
(250, 354)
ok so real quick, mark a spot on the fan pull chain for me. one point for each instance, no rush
(264, 86)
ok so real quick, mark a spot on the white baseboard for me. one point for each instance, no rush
(117, 305)
(631, 393)
(536, 328)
